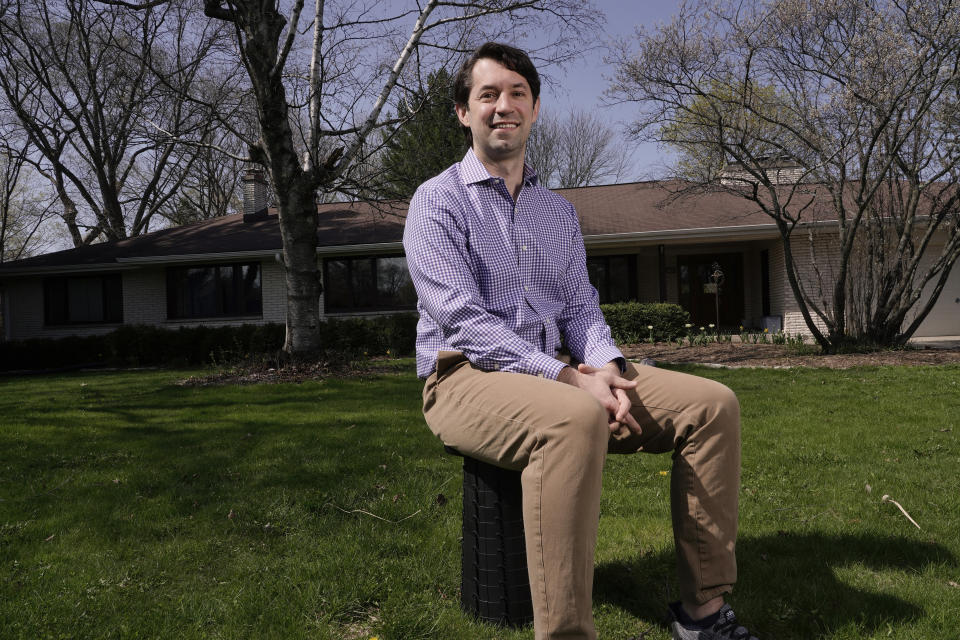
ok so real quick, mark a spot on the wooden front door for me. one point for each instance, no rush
(702, 298)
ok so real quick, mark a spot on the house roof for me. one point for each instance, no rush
(639, 212)
(658, 207)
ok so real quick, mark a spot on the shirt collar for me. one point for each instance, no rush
(473, 171)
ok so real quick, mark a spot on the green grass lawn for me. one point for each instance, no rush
(131, 507)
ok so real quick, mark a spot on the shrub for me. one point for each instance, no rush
(52, 353)
(146, 345)
(375, 335)
(629, 321)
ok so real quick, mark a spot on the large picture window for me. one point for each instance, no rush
(380, 283)
(214, 291)
(614, 277)
(87, 299)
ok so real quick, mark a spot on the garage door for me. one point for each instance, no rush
(944, 318)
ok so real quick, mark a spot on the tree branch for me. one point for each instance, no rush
(371, 120)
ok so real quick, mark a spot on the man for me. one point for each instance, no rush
(499, 267)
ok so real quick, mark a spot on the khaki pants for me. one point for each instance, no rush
(558, 436)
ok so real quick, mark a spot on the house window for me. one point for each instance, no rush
(367, 283)
(214, 291)
(83, 299)
(614, 277)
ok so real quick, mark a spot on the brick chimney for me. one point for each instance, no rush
(254, 195)
(779, 170)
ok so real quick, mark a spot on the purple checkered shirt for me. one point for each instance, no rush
(501, 282)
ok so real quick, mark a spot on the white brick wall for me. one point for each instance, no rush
(145, 296)
(274, 292)
(808, 252)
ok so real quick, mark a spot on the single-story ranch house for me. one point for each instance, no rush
(642, 244)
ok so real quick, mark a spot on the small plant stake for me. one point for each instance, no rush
(887, 498)
(717, 278)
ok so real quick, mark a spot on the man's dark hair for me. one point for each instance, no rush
(510, 57)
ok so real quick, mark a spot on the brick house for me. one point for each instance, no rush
(643, 243)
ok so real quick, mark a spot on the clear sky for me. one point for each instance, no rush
(582, 85)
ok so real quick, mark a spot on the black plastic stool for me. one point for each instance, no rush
(494, 585)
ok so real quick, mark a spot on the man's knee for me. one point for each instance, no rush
(583, 421)
(723, 398)
(721, 407)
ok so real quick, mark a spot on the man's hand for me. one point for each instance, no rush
(609, 388)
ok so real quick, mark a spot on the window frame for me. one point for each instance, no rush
(373, 292)
(632, 281)
(111, 292)
(224, 306)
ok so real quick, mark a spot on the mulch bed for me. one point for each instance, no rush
(727, 355)
(735, 355)
(257, 373)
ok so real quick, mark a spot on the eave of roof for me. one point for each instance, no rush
(640, 213)
(679, 236)
(194, 258)
(377, 248)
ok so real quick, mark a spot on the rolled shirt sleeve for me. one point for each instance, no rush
(582, 323)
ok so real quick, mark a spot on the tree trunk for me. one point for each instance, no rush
(296, 187)
(298, 229)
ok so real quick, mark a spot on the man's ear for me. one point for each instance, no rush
(463, 114)
(536, 109)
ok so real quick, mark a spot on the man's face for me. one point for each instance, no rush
(499, 112)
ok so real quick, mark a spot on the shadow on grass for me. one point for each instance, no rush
(789, 585)
(106, 443)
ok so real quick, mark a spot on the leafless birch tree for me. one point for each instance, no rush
(862, 96)
(324, 74)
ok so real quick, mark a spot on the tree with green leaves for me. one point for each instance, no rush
(426, 142)
(860, 96)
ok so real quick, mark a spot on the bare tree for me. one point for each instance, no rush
(544, 148)
(861, 97)
(319, 98)
(577, 151)
(212, 187)
(23, 211)
(101, 93)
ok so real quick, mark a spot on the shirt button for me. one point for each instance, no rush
(523, 247)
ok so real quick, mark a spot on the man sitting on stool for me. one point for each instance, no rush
(499, 267)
